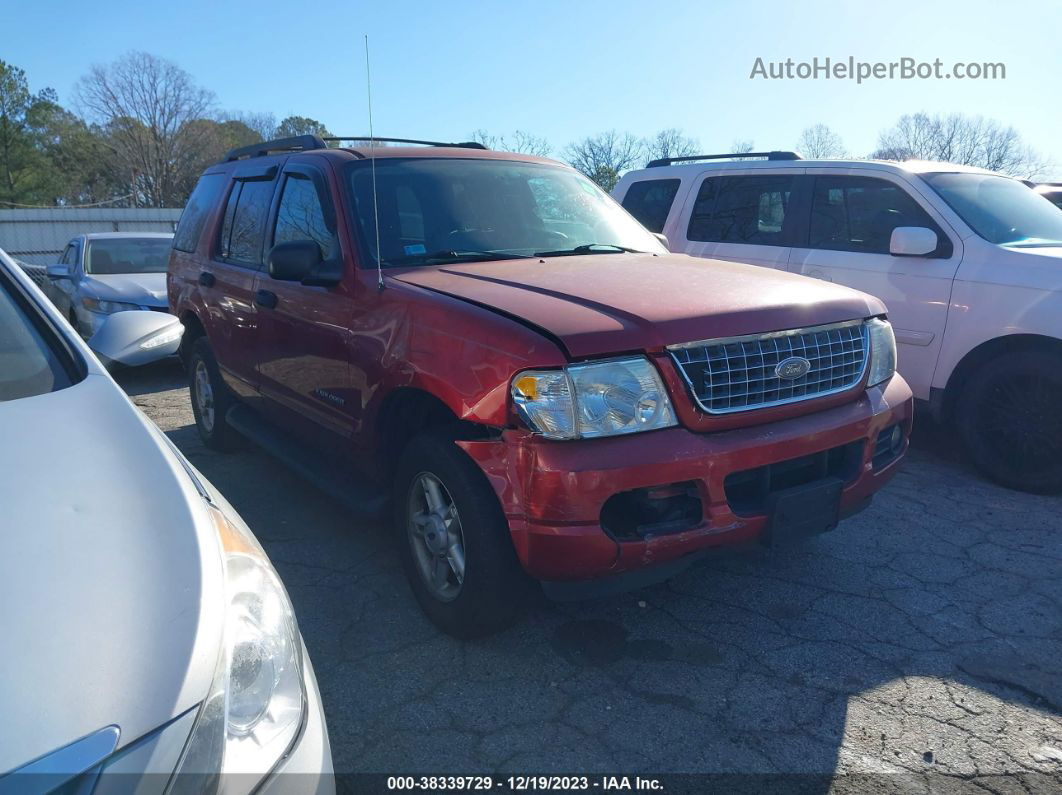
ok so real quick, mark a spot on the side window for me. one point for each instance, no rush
(650, 201)
(859, 214)
(300, 216)
(243, 227)
(68, 257)
(746, 209)
(197, 210)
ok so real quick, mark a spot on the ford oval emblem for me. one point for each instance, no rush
(792, 368)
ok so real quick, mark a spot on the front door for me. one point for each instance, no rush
(304, 331)
(847, 235)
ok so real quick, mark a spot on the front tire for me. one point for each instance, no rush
(211, 399)
(1009, 417)
(454, 540)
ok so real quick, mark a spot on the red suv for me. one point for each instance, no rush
(540, 388)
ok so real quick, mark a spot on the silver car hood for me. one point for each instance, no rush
(110, 573)
(145, 289)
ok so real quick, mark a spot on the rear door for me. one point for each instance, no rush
(228, 280)
(741, 216)
(302, 349)
(845, 235)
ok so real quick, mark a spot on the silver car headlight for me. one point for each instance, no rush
(584, 401)
(106, 307)
(882, 351)
(255, 708)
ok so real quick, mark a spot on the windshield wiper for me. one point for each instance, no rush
(450, 255)
(589, 248)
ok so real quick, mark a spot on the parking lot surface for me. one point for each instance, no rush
(924, 636)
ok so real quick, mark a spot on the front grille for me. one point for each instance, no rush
(739, 373)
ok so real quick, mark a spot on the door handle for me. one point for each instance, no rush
(266, 298)
(206, 279)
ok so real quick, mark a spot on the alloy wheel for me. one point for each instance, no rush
(436, 537)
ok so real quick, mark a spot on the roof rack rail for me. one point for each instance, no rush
(298, 143)
(461, 145)
(776, 155)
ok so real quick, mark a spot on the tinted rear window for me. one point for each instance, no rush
(29, 365)
(741, 210)
(650, 201)
(243, 227)
(197, 210)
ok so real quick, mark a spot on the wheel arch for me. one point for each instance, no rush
(945, 400)
(193, 330)
(408, 411)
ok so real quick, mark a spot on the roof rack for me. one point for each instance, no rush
(777, 155)
(298, 143)
(461, 145)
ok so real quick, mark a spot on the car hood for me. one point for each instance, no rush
(613, 303)
(145, 289)
(110, 576)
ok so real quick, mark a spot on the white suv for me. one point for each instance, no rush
(968, 262)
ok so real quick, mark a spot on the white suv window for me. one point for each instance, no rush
(650, 201)
(741, 209)
(859, 214)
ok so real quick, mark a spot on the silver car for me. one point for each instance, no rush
(103, 273)
(149, 644)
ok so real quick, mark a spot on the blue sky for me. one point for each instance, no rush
(564, 70)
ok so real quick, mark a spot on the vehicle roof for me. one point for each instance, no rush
(894, 166)
(112, 235)
(348, 153)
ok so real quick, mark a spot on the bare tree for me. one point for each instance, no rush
(605, 156)
(670, 143)
(147, 107)
(264, 123)
(520, 141)
(957, 138)
(742, 146)
(819, 141)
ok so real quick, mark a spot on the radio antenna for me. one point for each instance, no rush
(372, 161)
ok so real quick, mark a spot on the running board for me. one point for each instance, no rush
(337, 479)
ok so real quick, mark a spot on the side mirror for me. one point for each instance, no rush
(663, 239)
(912, 241)
(294, 261)
(137, 337)
(57, 271)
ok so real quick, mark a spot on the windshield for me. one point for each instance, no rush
(435, 210)
(28, 365)
(1000, 209)
(110, 255)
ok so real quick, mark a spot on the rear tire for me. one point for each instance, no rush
(455, 547)
(1009, 417)
(211, 399)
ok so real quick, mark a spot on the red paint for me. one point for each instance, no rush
(460, 333)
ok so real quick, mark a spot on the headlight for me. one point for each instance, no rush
(255, 708)
(590, 400)
(106, 307)
(882, 351)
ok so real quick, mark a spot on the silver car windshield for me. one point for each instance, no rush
(28, 364)
(444, 210)
(128, 255)
(999, 209)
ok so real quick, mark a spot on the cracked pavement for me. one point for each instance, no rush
(922, 639)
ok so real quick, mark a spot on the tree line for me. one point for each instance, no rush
(142, 131)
